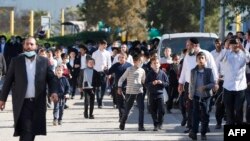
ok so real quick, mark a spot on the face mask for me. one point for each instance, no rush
(29, 54)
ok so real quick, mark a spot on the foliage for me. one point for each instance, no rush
(69, 40)
(128, 15)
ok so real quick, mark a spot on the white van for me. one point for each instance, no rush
(177, 41)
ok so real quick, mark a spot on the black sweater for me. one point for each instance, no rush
(157, 89)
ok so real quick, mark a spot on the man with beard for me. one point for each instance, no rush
(27, 76)
(188, 64)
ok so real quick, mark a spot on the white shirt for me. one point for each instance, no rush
(83, 61)
(247, 47)
(217, 55)
(102, 60)
(165, 60)
(31, 71)
(71, 62)
(235, 70)
(190, 62)
(2, 48)
(129, 59)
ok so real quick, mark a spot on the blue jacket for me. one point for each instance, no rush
(157, 89)
(63, 86)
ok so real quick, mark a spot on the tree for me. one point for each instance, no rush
(176, 16)
(128, 15)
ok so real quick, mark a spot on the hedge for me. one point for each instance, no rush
(69, 40)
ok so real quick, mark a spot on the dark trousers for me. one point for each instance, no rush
(89, 100)
(130, 98)
(58, 109)
(157, 109)
(25, 125)
(120, 99)
(188, 106)
(248, 105)
(114, 95)
(101, 90)
(200, 114)
(73, 83)
(233, 101)
(219, 104)
(172, 94)
(182, 105)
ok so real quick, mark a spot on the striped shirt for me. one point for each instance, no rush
(135, 78)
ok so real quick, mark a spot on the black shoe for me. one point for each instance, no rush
(86, 116)
(203, 137)
(208, 129)
(91, 117)
(183, 122)
(141, 129)
(72, 97)
(218, 126)
(99, 107)
(66, 106)
(59, 122)
(155, 128)
(122, 126)
(169, 111)
(187, 131)
(192, 135)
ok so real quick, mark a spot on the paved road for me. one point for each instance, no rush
(105, 125)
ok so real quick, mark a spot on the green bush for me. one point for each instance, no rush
(69, 40)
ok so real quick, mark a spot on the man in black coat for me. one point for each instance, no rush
(27, 76)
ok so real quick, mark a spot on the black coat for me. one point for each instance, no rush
(16, 79)
(96, 81)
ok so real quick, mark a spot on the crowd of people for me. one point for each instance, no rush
(195, 81)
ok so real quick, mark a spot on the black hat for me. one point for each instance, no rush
(232, 41)
(115, 48)
(73, 50)
(2, 36)
(194, 40)
(83, 47)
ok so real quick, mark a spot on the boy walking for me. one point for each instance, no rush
(135, 76)
(156, 81)
(201, 83)
(63, 88)
(88, 82)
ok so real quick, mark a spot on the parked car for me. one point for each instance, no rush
(177, 41)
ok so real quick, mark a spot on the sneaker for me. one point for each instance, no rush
(91, 117)
(218, 126)
(59, 122)
(159, 126)
(155, 128)
(122, 126)
(203, 137)
(192, 135)
(54, 122)
(141, 129)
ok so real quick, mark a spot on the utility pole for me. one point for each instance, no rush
(12, 21)
(202, 16)
(62, 21)
(222, 20)
(31, 23)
